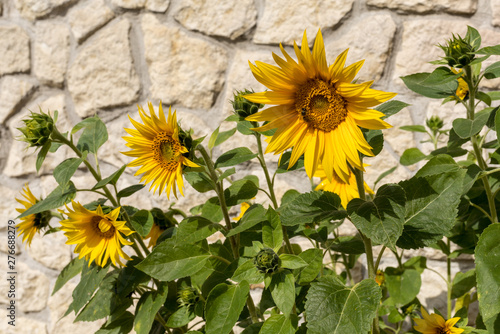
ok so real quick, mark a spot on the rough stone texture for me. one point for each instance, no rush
(15, 49)
(88, 17)
(399, 140)
(159, 6)
(13, 90)
(425, 6)
(28, 325)
(103, 73)
(8, 208)
(228, 18)
(51, 52)
(381, 163)
(370, 39)
(129, 4)
(495, 11)
(51, 250)
(33, 9)
(170, 59)
(285, 21)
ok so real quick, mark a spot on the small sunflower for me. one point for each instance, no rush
(97, 236)
(318, 110)
(158, 150)
(463, 88)
(34, 223)
(346, 190)
(243, 208)
(435, 324)
(154, 234)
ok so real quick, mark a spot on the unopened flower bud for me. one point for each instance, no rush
(458, 52)
(242, 106)
(37, 130)
(434, 123)
(188, 296)
(267, 261)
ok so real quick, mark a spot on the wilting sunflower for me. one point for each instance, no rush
(435, 324)
(243, 208)
(318, 110)
(97, 236)
(158, 150)
(346, 190)
(31, 224)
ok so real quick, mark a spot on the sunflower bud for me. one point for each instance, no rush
(188, 296)
(267, 261)
(37, 130)
(434, 123)
(458, 52)
(242, 107)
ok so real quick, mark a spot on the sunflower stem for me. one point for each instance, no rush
(449, 282)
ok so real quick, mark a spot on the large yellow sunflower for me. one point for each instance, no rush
(435, 324)
(318, 110)
(97, 236)
(31, 224)
(346, 190)
(157, 149)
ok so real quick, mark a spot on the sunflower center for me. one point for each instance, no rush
(103, 227)
(320, 105)
(166, 151)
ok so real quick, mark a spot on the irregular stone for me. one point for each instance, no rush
(495, 13)
(398, 139)
(51, 250)
(8, 207)
(100, 79)
(370, 39)
(15, 49)
(426, 6)
(27, 325)
(230, 18)
(33, 9)
(381, 163)
(170, 60)
(13, 90)
(129, 4)
(285, 21)
(88, 17)
(490, 37)
(159, 6)
(51, 52)
(110, 151)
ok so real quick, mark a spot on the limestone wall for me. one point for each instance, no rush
(107, 56)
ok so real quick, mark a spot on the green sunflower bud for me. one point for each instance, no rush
(267, 261)
(242, 107)
(38, 129)
(42, 219)
(160, 218)
(434, 123)
(188, 296)
(458, 52)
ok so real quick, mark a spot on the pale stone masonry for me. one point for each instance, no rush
(106, 56)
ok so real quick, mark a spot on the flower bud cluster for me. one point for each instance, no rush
(242, 107)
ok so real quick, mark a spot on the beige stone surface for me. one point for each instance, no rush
(129, 4)
(15, 49)
(159, 6)
(103, 73)
(87, 17)
(425, 6)
(34, 9)
(227, 18)
(170, 59)
(285, 21)
(8, 208)
(51, 250)
(13, 89)
(398, 139)
(22, 325)
(495, 13)
(51, 52)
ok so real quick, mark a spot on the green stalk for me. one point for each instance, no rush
(448, 281)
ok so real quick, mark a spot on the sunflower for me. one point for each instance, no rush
(154, 234)
(97, 236)
(243, 208)
(463, 89)
(158, 150)
(435, 324)
(34, 223)
(317, 110)
(346, 190)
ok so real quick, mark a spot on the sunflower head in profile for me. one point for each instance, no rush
(158, 150)
(346, 190)
(435, 324)
(317, 109)
(243, 208)
(31, 224)
(97, 236)
(160, 224)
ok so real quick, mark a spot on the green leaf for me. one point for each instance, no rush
(181, 317)
(489, 50)
(403, 286)
(334, 308)
(130, 190)
(113, 178)
(211, 141)
(84, 123)
(440, 164)
(290, 261)
(223, 307)
(375, 139)
(90, 280)
(234, 157)
(130, 277)
(414, 128)
(382, 219)
(440, 76)
(142, 221)
(419, 263)
(282, 289)
(211, 210)
(244, 127)
(463, 283)
(248, 272)
(122, 324)
(314, 259)
(484, 97)
(65, 170)
(415, 83)
(279, 324)
(347, 244)
(199, 181)
(58, 197)
(194, 229)
(487, 260)
(284, 163)
(473, 37)
(272, 232)
(42, 154)
(220, 137)
(240, 191)
(466, 128)
(391, 108)
(71, 270)
(253, 216)
(168, 262)
(312, 207)
(411, 156)
(94, 135)
(228, 172)
(497, 124)
(384, 174)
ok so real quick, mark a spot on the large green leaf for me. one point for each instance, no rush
(41, 155)
(391, 107)
(279, 324)
(382, 219)
(488, 278)
(272, 232)
(411, 156)
(489, 50)
(71, 270)
(181, 317)
(130, 277)
(195, 229)
(122, 324)
(420, 84)
(142, 221)
(463, 283)
(403, 285)
(240, 191)
(65, 170)
(333, 308)
(168, 261)
(282, 289)
(113, 178)
(234, 157)
(91, 278)
(199, 181)
(94, 135)
(59, 196)
(253, 216)
(247, 271)
(223, 307)
(466, 128)
(314, 259)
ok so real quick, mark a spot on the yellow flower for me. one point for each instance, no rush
(243, 209)
(380, 277)
(31, 224)
(463, 88)
(158, 150)
(435, 324)
(318, 111)
(154, 234)
(346, 190)
(97, 236)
